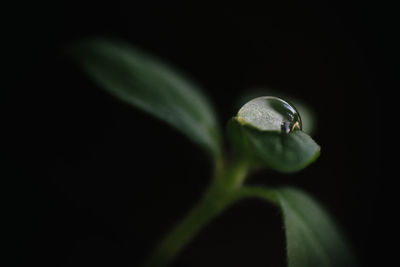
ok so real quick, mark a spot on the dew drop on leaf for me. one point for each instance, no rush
(269, 113)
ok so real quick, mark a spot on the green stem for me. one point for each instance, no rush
(220, 194)
(257, 192)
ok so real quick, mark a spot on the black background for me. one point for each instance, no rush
(95, 182)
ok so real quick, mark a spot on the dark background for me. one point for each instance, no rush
(96, 183)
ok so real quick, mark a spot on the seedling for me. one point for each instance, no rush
(265, 133)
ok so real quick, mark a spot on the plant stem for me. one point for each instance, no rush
(220, 194)
(257, 192)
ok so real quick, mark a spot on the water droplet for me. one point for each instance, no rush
(269, 113)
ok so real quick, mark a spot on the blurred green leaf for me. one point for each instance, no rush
(151, 86)
(312, 238)
(279, 151)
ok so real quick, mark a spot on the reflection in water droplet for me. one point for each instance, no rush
(269, 113)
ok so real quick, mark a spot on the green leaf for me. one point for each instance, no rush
(151, 86)
(282, 152)
(312, 238)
